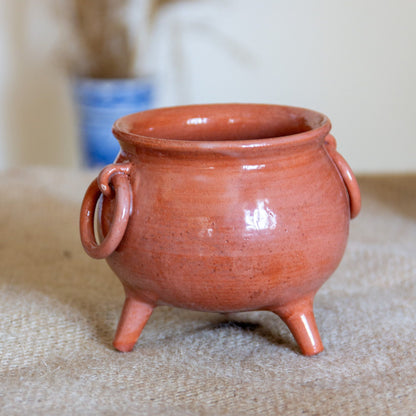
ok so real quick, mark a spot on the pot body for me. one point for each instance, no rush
(226, 232)
(222, 208)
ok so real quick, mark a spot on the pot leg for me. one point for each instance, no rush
(133, 318)
(299, 318)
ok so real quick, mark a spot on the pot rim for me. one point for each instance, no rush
(319, 128)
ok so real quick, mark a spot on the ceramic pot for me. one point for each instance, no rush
(222, 208)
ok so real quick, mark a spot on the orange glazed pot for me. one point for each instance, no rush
(222, 208)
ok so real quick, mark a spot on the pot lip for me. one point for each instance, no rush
(316, 134)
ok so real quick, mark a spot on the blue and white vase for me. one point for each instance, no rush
(100, 102)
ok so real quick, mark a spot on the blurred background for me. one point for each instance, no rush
(69, 66)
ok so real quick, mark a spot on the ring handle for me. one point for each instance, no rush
(347, 175)
(117, 175)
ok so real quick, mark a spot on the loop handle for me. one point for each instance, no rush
(117, 175)
(347, 175)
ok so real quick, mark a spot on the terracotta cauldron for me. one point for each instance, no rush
(222, 208)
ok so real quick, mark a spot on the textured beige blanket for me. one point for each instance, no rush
(59, 309)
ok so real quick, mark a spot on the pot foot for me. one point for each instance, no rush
(133, 318)
(299, 318)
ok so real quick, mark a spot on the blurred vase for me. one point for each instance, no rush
(100, 102)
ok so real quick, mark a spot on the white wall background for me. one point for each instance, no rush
(353, 60)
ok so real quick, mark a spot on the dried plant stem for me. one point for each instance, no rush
(104, 37)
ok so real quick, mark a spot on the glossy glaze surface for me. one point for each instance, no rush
(231, 208)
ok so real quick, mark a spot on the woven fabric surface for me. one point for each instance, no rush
(59, 310)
